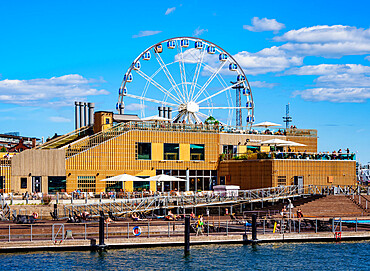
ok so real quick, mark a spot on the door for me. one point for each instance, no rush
(298, 180)
(36, 184)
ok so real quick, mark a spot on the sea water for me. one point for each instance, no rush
(283, 256)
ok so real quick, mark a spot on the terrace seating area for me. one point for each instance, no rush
(289, 155)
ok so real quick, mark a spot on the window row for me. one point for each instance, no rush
(171, 151)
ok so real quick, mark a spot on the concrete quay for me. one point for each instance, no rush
(80, 245)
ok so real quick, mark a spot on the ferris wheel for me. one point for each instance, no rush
(190, 77)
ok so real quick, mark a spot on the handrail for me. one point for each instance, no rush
(289, 155)
(78, 131)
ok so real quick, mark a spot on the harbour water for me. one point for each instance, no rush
(284, 256)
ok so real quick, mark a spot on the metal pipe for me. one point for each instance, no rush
(160, 111)
(85, 114)
(77, 106)
(80, 104)
(91, 113)
(169, 113)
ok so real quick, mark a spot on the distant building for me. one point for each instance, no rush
(12, 142)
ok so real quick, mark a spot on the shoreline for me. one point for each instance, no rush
(86, 245)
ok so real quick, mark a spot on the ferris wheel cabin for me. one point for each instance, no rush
(184, 43)
(198, 45)
(233, 67)
(222, 57)
(211, 50)
(158, 48)
(127, 77)
(171, 44)
(137, 66)
(146, 56)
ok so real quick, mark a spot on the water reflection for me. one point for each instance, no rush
(307, 256)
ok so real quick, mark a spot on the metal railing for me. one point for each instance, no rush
(64, 139)
(186, 200)
(124, 230)
(289, 155)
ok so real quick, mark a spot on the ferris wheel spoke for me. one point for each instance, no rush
(182, 71)
(197, 71)
(179, 116)
(223, 107)
(210, 79)
(168, 75)
(150, 100)
(217, 93)
(157, 85)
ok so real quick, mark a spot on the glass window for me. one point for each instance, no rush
(171, 151)
(113, 186)
(2, 180)
(141, 186)
(144, 151)
(24, 183)
(86, 183)
(196, 151)
(56, 184)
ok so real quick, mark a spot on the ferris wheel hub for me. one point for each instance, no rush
(191, 107)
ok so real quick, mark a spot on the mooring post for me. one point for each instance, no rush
(101, 229)
(56, 211)
(254, 227)
(187, 235)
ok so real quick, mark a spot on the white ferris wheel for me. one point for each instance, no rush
(193, 77)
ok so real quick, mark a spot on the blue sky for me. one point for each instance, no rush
(314, 55)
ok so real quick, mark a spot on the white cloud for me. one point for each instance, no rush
(336, 83)
(325, 33)
(262, 84)
(57, 91)
(59, 119)
(333, 50)
(170, 10)
(264, 24)
(267, 60)
(328, 41)
(340, 95)
(344, 80)
(325, 69)
(199, 31)
(134, 107)
(367, 58)
(146, 33)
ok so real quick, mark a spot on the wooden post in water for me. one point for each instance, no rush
(101, 229)
(254, 227)
(187, 235)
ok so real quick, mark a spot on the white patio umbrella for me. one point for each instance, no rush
(156, 118)
(274, 141)
(266, 124)
(293, 144)
(165, 178)
(281, 143)
(124, 178)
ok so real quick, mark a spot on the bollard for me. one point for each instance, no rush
(254, 227)
(101, 229)
(187, 235)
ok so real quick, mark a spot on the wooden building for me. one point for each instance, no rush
(81, 159)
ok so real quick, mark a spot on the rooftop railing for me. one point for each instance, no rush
(289, 155)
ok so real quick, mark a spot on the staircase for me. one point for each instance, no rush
(94, 140)
(66, 139)
(5, 209)
(362, 201)
(330, 206)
